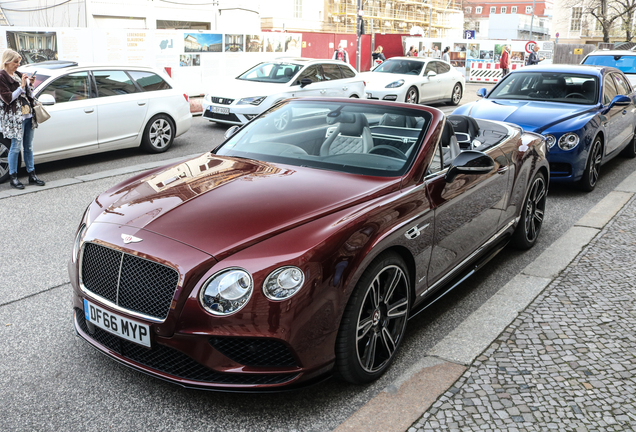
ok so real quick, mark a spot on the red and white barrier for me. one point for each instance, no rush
(488, 72)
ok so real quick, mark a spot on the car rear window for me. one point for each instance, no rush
(149, 81)
(113, 83)
(625, 63)
(347, 72)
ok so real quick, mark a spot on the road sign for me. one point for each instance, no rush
(530, 46)
(469, 34)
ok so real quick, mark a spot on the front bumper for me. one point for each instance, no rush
(393, 94)
(236, 114)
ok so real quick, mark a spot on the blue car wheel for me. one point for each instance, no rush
(593, 166)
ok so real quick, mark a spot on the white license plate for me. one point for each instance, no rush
(219, 110)
(118, 325)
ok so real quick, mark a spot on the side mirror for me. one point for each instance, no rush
(305, 82)
(619, 100)
(482, 92)
(231, 131)
(431, 74)
(47, 99)
(469, 162)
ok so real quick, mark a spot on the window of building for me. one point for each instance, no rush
(477, 27)
(528, 9)
(575, 21)
(493, 9)
(504, 9)
(468, 10)
(298, 8)
(513, 9)
(478, 9)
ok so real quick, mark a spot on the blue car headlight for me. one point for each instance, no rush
(568, 141)
(395, 84)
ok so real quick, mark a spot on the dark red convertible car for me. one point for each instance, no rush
(301, 246)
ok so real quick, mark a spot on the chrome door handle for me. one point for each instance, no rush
(503, 169)
(89, 110)
(141, 103)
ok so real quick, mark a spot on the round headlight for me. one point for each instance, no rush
(568, 141)
(226, 292)
(283, 283)
(551, 140)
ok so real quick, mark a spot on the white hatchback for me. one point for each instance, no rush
(415, 80)
(101, 108)
(238, 100)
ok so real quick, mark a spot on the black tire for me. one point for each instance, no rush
(412, 96)
(158, 134)
(592, 167)
(630, 150)
(4, 161)
(532, 212)
(374, 321)
(456, 96)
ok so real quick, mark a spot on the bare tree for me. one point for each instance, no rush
(604, 13)
(626, 9)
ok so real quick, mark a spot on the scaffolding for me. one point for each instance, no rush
(393, 16)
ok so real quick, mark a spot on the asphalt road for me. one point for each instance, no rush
(51, 380)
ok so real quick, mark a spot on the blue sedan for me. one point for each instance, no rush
(587, 115)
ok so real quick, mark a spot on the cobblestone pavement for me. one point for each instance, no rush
(567, 362)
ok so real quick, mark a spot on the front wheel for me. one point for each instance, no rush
(158, 134)
(456, 96)
(532, 212)
(593, 167)
(4, 161)
(374, 320)
(412, 96)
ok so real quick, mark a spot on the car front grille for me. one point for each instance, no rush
(254, 351)
(173, 362)
(130, 282)
(220, 100)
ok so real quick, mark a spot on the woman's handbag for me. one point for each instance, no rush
(41, 114)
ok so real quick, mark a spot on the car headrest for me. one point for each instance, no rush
(447, 133)
(340, 117)
(354, 128)
(588, 86)
(289, 72)
(464, 123)
(397, 120)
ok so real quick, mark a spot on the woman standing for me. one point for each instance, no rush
(446, 56)
(16, 116)
(378, 55)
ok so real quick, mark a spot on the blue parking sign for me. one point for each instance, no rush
(469, 34)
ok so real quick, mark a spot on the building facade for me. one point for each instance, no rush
(505, 19)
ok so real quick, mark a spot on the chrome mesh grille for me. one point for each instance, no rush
(130, 282)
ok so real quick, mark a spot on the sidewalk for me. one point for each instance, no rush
(554, 349)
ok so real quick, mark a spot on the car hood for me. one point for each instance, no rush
(236, 88)
(220, 205)
(381, 79)
(533, 116)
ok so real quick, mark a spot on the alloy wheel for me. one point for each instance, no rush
(411, 96)
(382, 318)
(457, 94)
(4, 162)
(595, 164)
(535, 209)
(160, 133)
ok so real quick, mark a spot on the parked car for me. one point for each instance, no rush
(238, 100)
(586, 113)
(625, 60)
(414, 80)
(289, 252)
(101, 108)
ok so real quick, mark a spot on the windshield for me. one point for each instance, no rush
(626, 63)
(271, 72)
(548, 86)
(408, 67)
(355, 138)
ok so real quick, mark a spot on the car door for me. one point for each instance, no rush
(318, 86)
(72, 128)
(429, 87)
(121, 109)
(467, 214)
(336, 86)
(446, 80)
(353, 82)
(628, 112)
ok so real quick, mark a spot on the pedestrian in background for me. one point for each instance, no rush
(378, 56)
(436, 52)
(341, 53)
(445, 55)
(534, 59)
(410, 52)
(16, 114)
(504, 61)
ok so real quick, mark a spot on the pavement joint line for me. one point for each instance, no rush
(578, 236)
(35, 294)
(54, 184)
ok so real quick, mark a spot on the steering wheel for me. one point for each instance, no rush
(576, 95)
(396, 153)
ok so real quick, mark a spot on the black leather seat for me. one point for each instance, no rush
(464, 125)
(588, 89)
(450, 147)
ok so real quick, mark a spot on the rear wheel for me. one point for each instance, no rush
(374, 320)
(456, 96)
(593, 166)
(412, 96)
(630, 150)
(158, 134)
(529, 226)
(4, 161)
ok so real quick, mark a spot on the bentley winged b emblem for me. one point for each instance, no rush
(130, 239)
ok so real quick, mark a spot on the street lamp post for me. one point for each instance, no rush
(531, 19)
